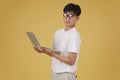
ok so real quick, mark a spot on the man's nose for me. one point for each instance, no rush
(67, 18)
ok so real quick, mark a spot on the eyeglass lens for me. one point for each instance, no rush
(68, 15)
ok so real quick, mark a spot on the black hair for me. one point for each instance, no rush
(72, 7)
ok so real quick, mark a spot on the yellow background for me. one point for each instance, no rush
(99, 26)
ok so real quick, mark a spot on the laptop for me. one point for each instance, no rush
(34, 40)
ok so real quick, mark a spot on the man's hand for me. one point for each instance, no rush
(39, 49)
(43, 50)
(48, 51)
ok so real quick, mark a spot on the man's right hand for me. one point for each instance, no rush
(43, 50)
(39, 49)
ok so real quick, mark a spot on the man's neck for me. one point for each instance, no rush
(67, 28)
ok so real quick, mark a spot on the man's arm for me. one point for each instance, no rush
(70, 59)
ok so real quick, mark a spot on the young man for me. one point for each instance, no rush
(67, 41)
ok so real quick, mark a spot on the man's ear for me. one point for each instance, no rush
(78, 17)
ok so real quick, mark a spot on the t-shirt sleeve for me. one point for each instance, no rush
(74, 44)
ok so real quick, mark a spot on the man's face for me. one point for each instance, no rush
(70, 19)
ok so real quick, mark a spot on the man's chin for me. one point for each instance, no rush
(68, 25)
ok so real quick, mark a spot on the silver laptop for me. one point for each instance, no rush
(34, 40)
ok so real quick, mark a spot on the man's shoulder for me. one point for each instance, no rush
(59, 30)
(75, 32)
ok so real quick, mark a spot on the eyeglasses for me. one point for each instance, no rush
(68, 15)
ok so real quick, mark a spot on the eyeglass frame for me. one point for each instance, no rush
(68, 15)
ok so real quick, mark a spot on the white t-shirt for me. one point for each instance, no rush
(65, 42)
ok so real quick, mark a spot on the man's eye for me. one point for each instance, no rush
(65, 15)
(71, 15)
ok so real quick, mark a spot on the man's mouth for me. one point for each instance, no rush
(67, 22)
